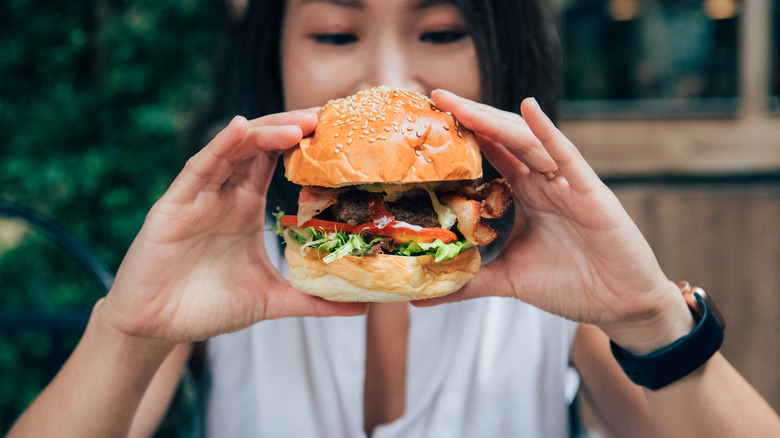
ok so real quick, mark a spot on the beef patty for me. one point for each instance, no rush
(415, 208)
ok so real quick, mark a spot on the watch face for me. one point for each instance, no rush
(691, 293)
(711, 306)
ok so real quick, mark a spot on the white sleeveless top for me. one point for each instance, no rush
(491, 367)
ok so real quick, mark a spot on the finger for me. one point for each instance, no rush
(508, 165)
(258, 171)
(268, 133)
(212, 166)
(306, 119)
(449, 99)
(476, 288)
(568, 159)
(199, 168)
(502, 127)
(289, 301)
(254, 174)
(299, 304)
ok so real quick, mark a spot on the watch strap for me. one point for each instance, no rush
(678, 359)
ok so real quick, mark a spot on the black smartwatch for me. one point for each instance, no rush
(683, 356)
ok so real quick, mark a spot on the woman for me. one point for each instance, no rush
(488, 367)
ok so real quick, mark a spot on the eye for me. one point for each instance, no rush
(443, 36)
(335, 39)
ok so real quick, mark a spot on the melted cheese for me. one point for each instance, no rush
(392, 192)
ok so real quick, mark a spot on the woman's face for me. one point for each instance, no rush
(334, 48)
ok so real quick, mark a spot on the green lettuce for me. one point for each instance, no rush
(438, 249)
(277, 228)
(339, 244)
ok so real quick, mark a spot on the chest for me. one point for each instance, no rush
(487, 371)
(384, 388)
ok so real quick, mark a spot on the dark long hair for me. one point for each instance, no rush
(516, 43)
(518, 51)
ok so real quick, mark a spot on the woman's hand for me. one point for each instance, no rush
(198, 267)
(573, 249)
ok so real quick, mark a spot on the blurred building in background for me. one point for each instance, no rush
(676, 104)
(663, 86)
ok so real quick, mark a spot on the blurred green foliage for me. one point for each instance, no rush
(96, 98)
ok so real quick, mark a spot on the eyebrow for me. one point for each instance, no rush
(358, 4)
(425, 4)
(352, 4)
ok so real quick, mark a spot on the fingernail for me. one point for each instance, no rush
(237, 119)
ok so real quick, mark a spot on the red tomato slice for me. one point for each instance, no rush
(404, 234)
(397, 231)
(290, 220)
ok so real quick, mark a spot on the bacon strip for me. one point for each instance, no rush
(495, 197)
(313, 200)
(488, 200)
(468, 212)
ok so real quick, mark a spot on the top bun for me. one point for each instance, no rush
(385, 135)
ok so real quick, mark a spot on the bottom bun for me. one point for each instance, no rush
(380, 278)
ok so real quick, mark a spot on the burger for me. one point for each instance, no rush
(391, 202)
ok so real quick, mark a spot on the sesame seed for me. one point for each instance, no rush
(371, 140)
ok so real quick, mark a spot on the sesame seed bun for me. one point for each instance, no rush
(385, 135)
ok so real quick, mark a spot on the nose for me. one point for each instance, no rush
(390, 62)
